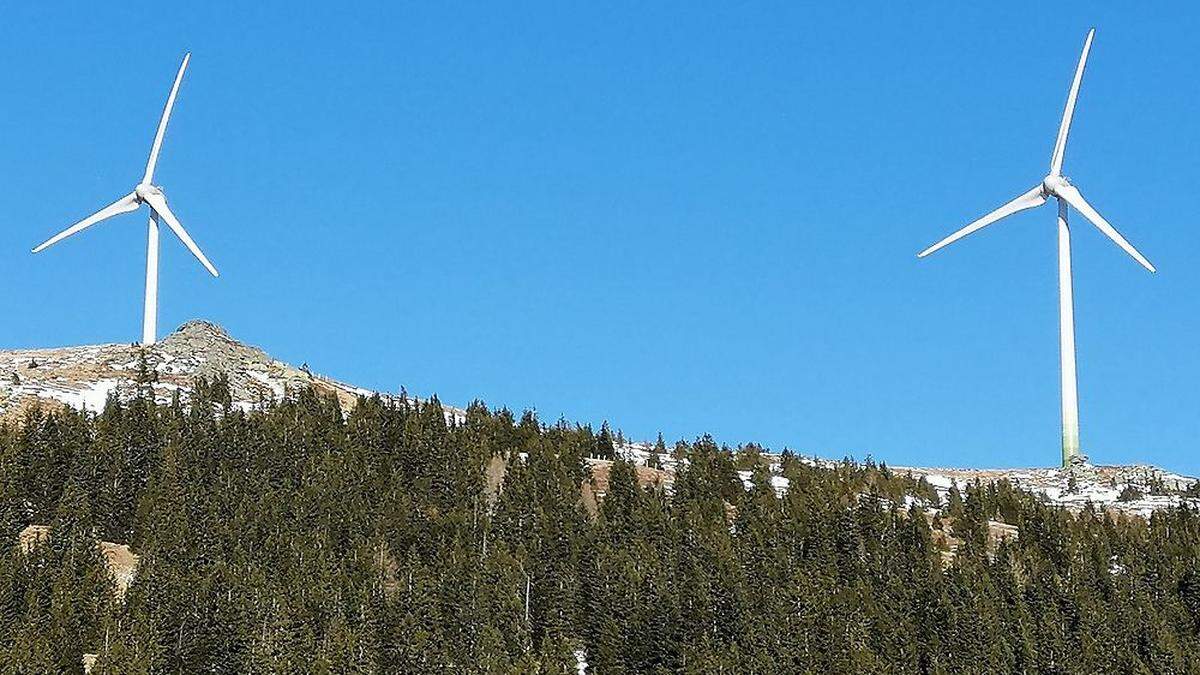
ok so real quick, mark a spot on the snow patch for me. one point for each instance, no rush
(277, 389)
(91, 396)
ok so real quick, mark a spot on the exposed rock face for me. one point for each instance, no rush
(121, 562)
(84, 377)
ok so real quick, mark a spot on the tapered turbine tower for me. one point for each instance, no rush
(145, 192)
(1057, 186)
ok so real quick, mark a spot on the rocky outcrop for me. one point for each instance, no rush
(121, 562)
(84, 377)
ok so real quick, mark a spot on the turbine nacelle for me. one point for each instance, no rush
(146, 191)
(1053, 184)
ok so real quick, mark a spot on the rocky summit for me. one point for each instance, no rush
(84, 377)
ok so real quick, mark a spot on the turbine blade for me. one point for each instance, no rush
(159, 204)
(1071, 195)
(162, 123)
(1060, 145)
(1030, 199)
(123, 205)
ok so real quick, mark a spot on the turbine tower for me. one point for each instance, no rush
(145, 192)
(1057, 186)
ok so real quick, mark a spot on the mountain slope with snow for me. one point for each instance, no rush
(84, 377)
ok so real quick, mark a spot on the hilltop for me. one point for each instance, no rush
(84, 377)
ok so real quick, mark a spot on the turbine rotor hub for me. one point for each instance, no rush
(144, 189)
(1052, 183)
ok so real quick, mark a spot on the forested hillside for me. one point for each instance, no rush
(295, 538)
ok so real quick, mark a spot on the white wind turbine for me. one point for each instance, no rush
(1056, 185)
(152, 196)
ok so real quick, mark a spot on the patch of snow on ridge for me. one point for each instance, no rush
(276, 388)
(778, 483)
(640, 454)
(1079, 486)
(89, 396)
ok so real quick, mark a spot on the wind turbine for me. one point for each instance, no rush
(145, 192)
(1057, 186)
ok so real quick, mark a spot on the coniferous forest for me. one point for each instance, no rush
(294, 538)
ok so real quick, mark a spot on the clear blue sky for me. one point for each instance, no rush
(677, 218)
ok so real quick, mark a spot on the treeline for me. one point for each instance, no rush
(295, 539)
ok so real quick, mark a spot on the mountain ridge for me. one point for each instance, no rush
(84, 377)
